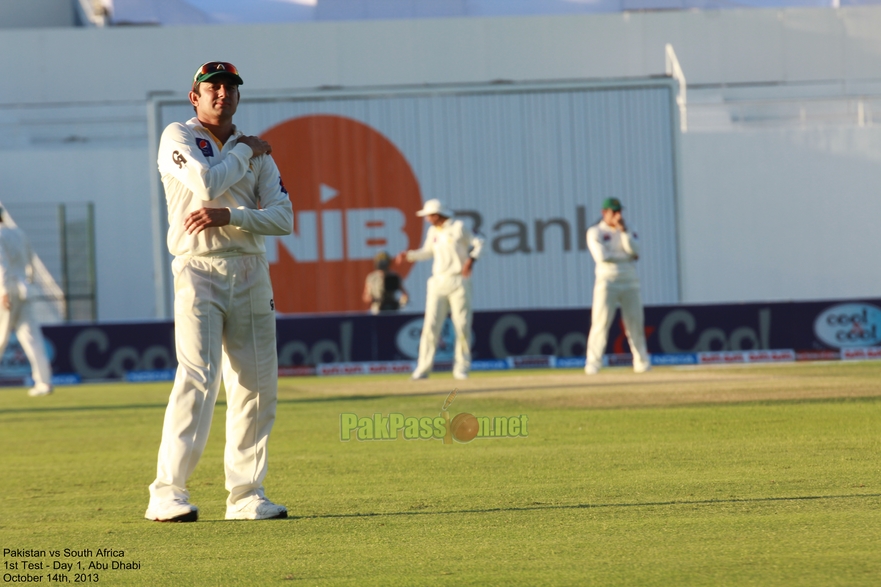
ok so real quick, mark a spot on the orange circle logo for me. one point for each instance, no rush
(464, 427)
(354, 195)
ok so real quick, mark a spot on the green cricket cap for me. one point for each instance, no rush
(613, 204)
(208, 70)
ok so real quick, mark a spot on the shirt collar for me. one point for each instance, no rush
(236, 133)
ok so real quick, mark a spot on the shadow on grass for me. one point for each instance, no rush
(693, 403)
(579, 506)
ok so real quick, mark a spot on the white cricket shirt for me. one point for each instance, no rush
(450, 244)
(199, 172)
(15, 261)
(613, 251)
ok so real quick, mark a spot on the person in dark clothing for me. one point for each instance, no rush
(381, 287)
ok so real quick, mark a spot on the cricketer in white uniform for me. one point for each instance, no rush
(224, 192)
(17, 311)
(615, 250)
(454, 249)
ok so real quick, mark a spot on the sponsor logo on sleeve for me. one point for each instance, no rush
(205, 146)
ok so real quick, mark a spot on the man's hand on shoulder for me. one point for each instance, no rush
(197, 221)
(258, 145)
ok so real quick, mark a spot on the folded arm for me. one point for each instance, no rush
(275, 215)
(630, 244)
(602, 254)
(180, 157)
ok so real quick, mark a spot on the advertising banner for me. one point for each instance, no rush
(733, 332)
(111, 351)
(525, 165)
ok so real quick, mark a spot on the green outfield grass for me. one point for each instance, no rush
(716, 476)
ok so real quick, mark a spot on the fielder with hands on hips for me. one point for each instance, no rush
(17, 311)
(454, 249)
(224, 193)
(615, 250)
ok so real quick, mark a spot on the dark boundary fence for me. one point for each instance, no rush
(94, 351)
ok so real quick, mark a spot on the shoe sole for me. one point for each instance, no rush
(187, 517)
(278, 516)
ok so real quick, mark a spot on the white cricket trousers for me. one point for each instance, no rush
(223, 315)
(21, 318)
(607, 297)
(439, 301)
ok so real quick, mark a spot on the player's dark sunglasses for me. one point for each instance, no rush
(215, 67)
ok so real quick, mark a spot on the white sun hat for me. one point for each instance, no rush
(434, 206)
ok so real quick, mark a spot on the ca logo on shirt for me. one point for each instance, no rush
(178, 159)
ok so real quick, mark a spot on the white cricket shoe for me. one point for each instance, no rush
(458, 375)
(642, 369)
(39, 391)
(417, 376)
(177, 510)
(590, 370)
(257, 509)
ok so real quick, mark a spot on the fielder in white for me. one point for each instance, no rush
(615, 250)
(224, 193)
(454, 249)
(17, 312)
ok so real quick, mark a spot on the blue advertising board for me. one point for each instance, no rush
(112, 351)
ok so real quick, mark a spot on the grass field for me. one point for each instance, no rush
(716, 476)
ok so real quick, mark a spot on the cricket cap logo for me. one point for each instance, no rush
(354, 194)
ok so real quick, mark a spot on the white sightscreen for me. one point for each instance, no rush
(522, 157)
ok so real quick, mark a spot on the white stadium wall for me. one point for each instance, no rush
(37, 13)
(781, 215)
(764, 213)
